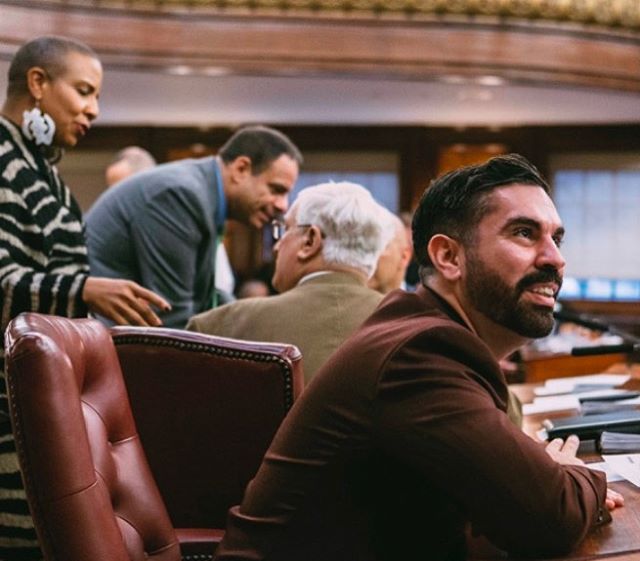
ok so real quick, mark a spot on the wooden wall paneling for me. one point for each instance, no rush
(542, 368)
(452, 157)
(621, 315)
(418, 167)
(244, 248)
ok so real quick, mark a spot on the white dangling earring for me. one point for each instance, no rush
(38, 126)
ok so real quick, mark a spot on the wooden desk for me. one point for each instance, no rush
(619, 540)
(532, 423)
(540, 366)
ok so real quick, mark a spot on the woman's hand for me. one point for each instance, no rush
(122, 301)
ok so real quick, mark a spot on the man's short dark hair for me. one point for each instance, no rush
(262, 145)
(455, 203)
(49, 53)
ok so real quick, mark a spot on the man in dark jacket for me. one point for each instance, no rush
(400, 445)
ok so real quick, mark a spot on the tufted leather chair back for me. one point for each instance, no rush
(206, 408)
(88, 483)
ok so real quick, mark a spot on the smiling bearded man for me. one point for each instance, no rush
(400, 447)
(491, 295)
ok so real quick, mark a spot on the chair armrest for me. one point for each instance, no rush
(198, 544)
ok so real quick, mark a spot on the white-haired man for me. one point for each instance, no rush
(326, 249)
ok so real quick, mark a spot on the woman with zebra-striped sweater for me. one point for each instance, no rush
(52, 99)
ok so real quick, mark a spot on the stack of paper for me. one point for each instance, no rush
(597, 407)
(566, 394)
(551, 404)
(556, 386)
(619, 442)
(627, 465)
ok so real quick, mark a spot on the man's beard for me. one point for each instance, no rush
(492, 296)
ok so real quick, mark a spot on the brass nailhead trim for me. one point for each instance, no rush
(213, 349)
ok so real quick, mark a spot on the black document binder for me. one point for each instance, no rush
(589, 427)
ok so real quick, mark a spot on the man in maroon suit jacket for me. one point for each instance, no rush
(400, 445)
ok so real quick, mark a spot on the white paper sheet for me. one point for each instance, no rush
(570, 402)
(604, 466)
(627, 465)
(556, 386)
(550, 404)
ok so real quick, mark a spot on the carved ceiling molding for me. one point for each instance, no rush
(612, 13)
(403, 40)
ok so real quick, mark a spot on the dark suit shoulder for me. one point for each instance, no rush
(410, 336)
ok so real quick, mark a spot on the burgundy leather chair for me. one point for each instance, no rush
(89, 487)
(206, 409)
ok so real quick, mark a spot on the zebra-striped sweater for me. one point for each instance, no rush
(43, 267)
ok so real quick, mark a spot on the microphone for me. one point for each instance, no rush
(632, 346)
(624, 348)
(581, 320)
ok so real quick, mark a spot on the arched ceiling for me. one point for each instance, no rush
(459, 62)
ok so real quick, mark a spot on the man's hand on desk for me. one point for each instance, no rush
(564, 452)
(614, 499)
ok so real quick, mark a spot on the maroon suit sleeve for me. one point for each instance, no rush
(432, 406)
(437, 401)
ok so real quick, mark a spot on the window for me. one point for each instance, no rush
(598, 198)
(376, 171)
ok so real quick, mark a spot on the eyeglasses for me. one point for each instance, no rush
(279, 229)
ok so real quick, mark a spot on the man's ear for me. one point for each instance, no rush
(36, 81)
(407, 254)
(446, 254)
(240, 168)
(312, 244)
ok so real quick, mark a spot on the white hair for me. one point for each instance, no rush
(353, 223)
(395, 224)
